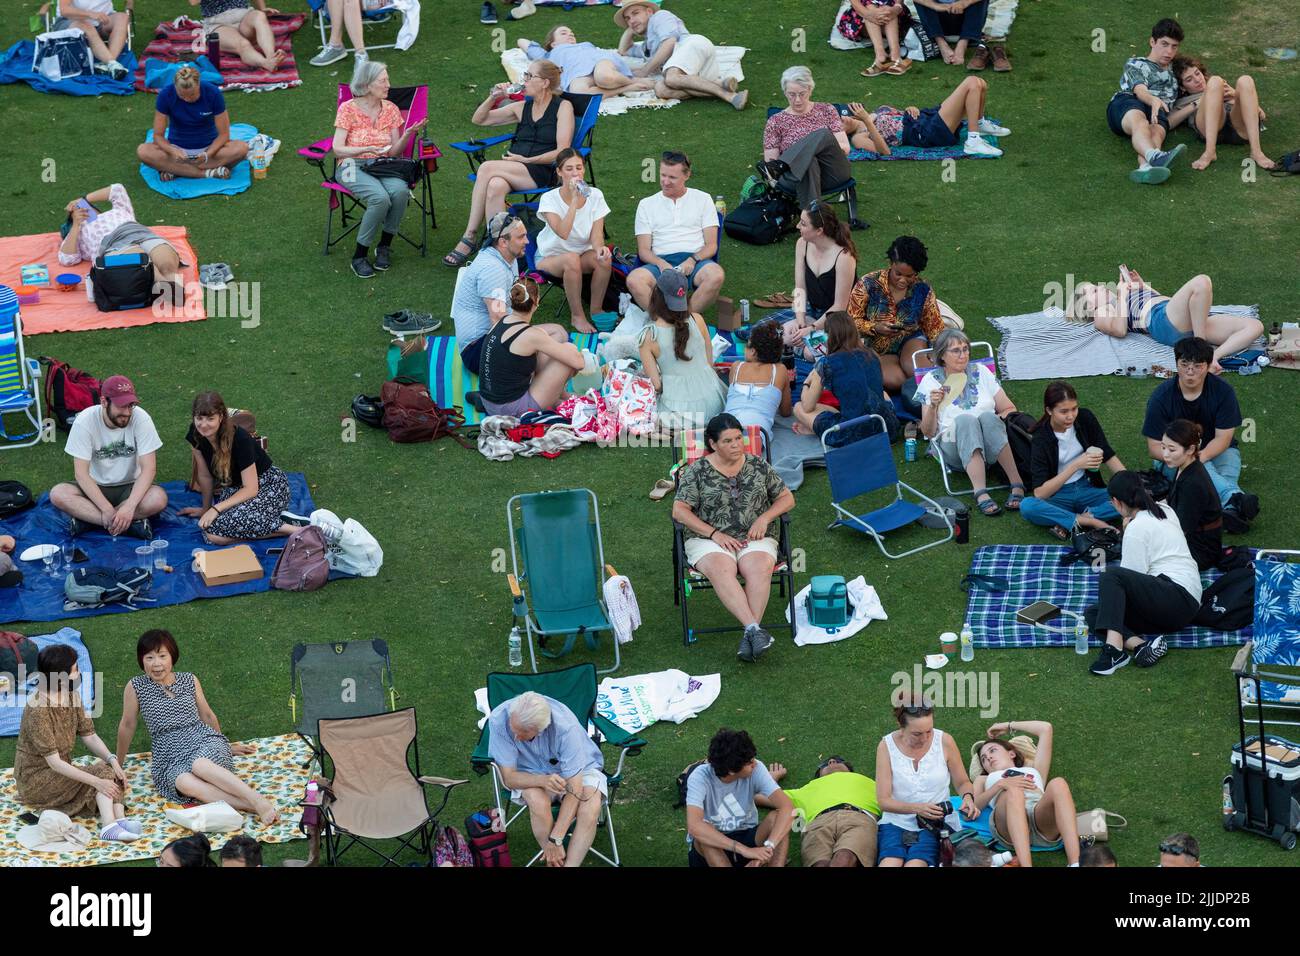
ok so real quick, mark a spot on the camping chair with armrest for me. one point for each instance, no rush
(865, 466)
(413, 101)
(559, 566)
(845, 192)
(337, 680)
(376, 791)
(575, 688)
(20, 392)
(989, 361)
(49, 12)
(377, 15)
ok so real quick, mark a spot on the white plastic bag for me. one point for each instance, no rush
(350, 548)
(219, 817)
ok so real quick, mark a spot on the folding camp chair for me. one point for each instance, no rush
(338, 680)
(376, 791)
(865, 466)
(413, 101)
(686, 578)
(49, 13)
(370, 14)
(19, 375)
(1276, 637)
(989, 361)
(845, 192)
(575, 688)
(559, 570)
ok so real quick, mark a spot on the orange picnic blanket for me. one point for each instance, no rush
(71, 311)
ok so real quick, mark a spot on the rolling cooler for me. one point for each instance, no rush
(1265, 780)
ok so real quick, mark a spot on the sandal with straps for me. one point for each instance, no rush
(455, 259)
(1060, 533)
(988, 507)
(1017, 495)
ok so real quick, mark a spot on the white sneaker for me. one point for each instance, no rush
(361, 56)
(977, 147)
(992, 128)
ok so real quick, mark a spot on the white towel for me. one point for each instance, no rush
(621, 606)
(866, 608)
(410, 23)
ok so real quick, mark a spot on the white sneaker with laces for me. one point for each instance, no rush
(992, 128)
(977, 147)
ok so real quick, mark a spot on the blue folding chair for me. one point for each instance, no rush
(19, 392)
(865, 466)
(845, 192)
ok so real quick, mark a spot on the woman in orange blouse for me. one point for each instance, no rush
(896, 312)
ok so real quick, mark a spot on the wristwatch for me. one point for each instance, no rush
(558, 841)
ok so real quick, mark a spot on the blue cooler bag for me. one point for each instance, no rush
(827, 603)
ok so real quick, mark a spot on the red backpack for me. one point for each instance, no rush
(68, 391)
(302, 565)
(411, 414)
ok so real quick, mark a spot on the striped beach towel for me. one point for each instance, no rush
(174, 40)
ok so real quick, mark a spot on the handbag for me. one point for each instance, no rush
(1288, 165)
(1093, 825)
(407, 170)
(62, 55)
(1156, 483)
(218, 817)
(1094, 545)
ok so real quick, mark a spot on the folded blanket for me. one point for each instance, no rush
(174, 41)
(241, 176)
(792, 453)
(16, 67)
(159, 73)
(866, 608)
(1044, 345)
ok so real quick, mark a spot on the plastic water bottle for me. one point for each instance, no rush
(1080, 637)
(967, 645)
(1228, 808)
(624, 300)
(720, 205)
(259, 163)
(581, 187)
(516, 648)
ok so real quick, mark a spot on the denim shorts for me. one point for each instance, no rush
(1122, 103)
(1161, 329)
(927, 130)
(675, 259)
(890, 840)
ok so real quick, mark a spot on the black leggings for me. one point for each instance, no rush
(1135, 604)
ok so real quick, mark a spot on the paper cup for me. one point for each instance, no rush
(948, 642)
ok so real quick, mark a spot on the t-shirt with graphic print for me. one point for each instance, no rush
(113, 453)
(731, 505)
(728, 807)
(1159, 81)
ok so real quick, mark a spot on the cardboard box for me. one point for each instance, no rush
(229, 566)
(728, 317)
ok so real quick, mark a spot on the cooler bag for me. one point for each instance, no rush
(1279, 792)
(828, 602)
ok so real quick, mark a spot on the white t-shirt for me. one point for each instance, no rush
(1152, 546)
(1068, 448)
(1031, 799)
(90, 6)
(114, 453)
(676, 225)
(550, 244)
(977, 397)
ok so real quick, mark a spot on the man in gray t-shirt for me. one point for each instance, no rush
(722, 822)
(544, 755)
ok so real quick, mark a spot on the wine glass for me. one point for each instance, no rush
(69, 550)
(48, 558)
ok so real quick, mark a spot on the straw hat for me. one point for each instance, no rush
(621, 19)
(54, 832)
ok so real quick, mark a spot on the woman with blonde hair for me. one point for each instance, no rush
(525, 368)
(584, 67)
(191, 131)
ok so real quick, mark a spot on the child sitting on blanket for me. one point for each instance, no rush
(105, 29)
(934, 126)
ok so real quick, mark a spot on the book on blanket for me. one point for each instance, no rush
(35, 274)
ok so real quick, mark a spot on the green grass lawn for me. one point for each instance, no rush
(1150, 744)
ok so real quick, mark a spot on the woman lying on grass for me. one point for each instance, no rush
(935, 126)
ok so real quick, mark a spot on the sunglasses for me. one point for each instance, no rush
(500, 231)
(1173, 849)
(918, 710)
(830, 760)
(673, 158)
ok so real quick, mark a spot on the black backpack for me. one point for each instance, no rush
(1229, 603)
(681, 782)
(1096, 546)
(762, 220)
(123, 281)
(14, 497)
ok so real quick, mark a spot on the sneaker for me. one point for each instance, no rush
(488, 14)
(361, 55)
(382, 254)
(215, 275)
(760, 641)
(288, 517)
(140, 528)
(1164, 158)
(977, 147)
(117, 71)
(746, 649)
(1150, 175)
(992, 128)
(1245, 503)
(76, 526)
(1234, 522)
(131, 826)
(115, 832)
(363, 269)
(328, 55)
(407, 322)
(1150, 653)
(1108, 661)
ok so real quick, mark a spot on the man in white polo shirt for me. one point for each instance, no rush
(677, 228)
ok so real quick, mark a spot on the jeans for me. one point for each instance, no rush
(814, 160)
(1224, 469)
(385, 198)
(969, 24)
(1073, 499)
(1135, 604)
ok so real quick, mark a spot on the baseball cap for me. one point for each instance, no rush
(119, 390)
(673, 286)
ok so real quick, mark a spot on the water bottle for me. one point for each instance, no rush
(259, 163)
(1080, 636)
(581, 187)
(1228, 809)
(744, 303)
(624, 300)
(967, 645)
(720, 205)
(516, 648)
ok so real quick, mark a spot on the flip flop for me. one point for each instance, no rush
(777, 300)
(661, 489)
(1059, 533)
(899, 67)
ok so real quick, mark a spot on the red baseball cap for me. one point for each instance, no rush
(119, 390)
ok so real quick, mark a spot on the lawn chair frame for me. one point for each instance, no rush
(20, 390)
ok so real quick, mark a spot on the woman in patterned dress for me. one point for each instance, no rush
(191, 757)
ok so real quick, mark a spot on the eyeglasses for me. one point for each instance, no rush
(574, 793)
(1186, 366)
(1175, 849)
(959, 350)
(527, 76)
(830, 760)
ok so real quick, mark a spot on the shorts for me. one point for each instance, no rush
(63, 23)
(515, 409)
(676, 259)
(927, 130)
(697, 548)
(1228, 134)
(1036, 838)
(230, 18)
(1161, 329)
(747, 837)
(471, 356)
(116, 494)
(896, 346)
(695, 55)
(1122, 103)
(890, 838)
(590, 778)
(834, 830)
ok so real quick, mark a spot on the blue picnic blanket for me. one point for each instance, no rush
(40, 596)
(241, 177)
(955, 151)
(16, 67)
(1034, 573)
(159, 73)
(12, 704)
(982, 827)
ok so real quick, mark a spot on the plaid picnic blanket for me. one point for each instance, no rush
(174, 40)
(1034, 573)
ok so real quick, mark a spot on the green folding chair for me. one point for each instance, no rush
(336, 681)
(575, 688)
(559, 570)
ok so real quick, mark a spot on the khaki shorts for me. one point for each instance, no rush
(231, 18)
(837, 830)
(695, 55)
(697, 548)
(590, 778)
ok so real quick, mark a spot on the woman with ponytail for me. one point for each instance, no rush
(1066, 453)
(1156, 587)
(677, 355)
(1193, 497)
(524, 368)
(825, 267)
(243, 492)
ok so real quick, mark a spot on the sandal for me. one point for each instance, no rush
(1017, 496)
(777, 300)
(456, 259)
(661, 488)
(899, 67)
(876, 69)
(1060, 533)
(988, 507)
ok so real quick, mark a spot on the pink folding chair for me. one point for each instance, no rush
(413, 101)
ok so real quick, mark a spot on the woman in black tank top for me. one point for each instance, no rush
(822, 237)
(525, 368)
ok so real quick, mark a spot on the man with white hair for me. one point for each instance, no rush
(805, 145)
(545, 756)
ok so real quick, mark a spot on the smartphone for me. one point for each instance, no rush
(79, 556)
(91, 212)
(1040, 612)
(28, 818)
(1124, 274)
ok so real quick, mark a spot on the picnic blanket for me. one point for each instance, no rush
(40, 597)
(160, 73)
(278, 769)
(515, 61)
(16, 67)
(1045, 345)
(792, 453)
(174, 40)
(241, 176)
(13, 701)
(71, 311)
(1034, 573)
(956, 151)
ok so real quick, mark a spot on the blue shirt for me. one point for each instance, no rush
(1216, 407)
(660, 27)
(576, 60)
(482, 278)
(855, 379)
(191, 125)
(563, 747)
